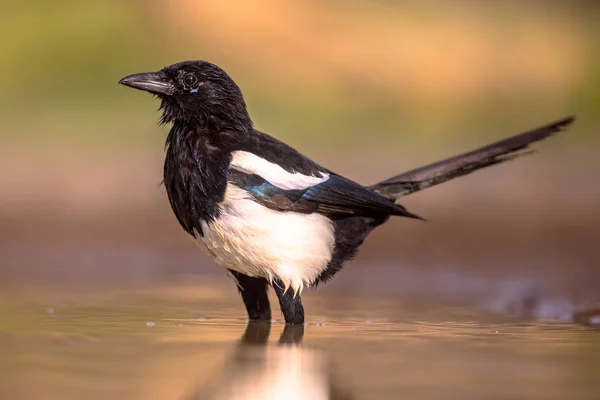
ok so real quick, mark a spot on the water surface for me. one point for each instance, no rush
(192, 342)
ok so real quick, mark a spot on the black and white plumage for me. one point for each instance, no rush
(262, 210)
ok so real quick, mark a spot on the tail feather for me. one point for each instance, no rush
(442, 171)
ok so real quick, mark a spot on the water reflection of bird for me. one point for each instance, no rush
(262, 210)
(259, 371)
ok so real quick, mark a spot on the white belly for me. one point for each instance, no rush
(256, 241)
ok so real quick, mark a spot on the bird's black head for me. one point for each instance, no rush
(197, 94)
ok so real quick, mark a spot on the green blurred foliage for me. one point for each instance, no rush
(61, 61)
(65, 48)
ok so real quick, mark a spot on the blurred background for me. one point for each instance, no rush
(367, 88)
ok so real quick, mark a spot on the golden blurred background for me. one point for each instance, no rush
(103, 296)
(368, 88)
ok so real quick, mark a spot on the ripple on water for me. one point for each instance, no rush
(98, 345)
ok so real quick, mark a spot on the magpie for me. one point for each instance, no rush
(262, 210)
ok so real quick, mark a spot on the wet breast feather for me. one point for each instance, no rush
(254, 240)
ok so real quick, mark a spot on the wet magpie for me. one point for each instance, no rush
(265, 212)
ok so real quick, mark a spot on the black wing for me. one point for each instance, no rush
(340, 195)
(337, 195)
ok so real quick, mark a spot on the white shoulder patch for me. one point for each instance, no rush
(252, 164)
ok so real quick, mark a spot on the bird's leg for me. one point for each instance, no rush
(291, 304)
(254, 293)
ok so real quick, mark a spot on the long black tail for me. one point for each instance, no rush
(442, 171)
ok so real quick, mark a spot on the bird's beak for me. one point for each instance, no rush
(153, 82)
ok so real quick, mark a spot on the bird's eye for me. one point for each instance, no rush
(190, 79)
